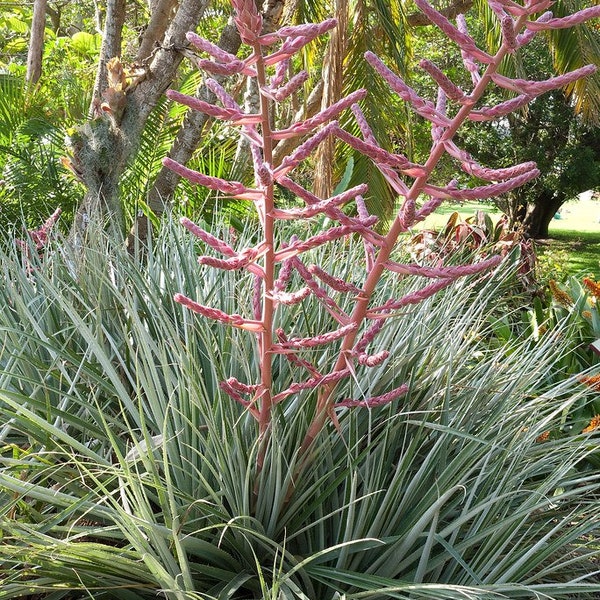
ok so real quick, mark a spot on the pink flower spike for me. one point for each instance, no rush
(315, 241)
(208, 238)
(320, 118)
(310, 29)
(215, 51)
(463, 40)
(339, 285)
(322, 206)
(288, 89)
(257, 297)
(234, 320)
(242, 260)
(575, 19)
(317, 340)
(468, 61)
(444, 272)
(295, 359)
(422, 107)
(482, 192)
(428, 207)
(321, 294)
(303, 151)
(535, 88)
(375, 400)
(489, 113)
(226, 114)
(450, 88)
(379, 155)
(235, 395)
(529, 34)
(232, 188)
(383, 311)
(312, 384)
(363, 125)
(497, 174)
(281, 71)
(368, 336)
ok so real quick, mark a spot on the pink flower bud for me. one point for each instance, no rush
(508, 33)
(247, 20)
(372, 360)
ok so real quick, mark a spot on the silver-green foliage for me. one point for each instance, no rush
(126, 473)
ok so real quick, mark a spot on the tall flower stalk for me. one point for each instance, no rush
(272, 263)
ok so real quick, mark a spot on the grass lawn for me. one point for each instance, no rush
(574, 238)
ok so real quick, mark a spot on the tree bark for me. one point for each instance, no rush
(537, 222)
(36, 43)
(111, 48)
(159, 21)
(102, 148)
(333, 77)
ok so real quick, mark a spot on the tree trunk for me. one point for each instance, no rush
(111, 48)
(333, 76)
(36, 43)
(103, 147)
(539, 217)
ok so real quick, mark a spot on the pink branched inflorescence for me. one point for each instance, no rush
(38, 238)
(278, 265)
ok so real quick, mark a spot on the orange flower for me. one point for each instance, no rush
(592, 286)
(543, 437)
(559, 295)
(594, 424)
(592, 381)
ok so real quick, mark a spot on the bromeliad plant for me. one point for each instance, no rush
(276, 263)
